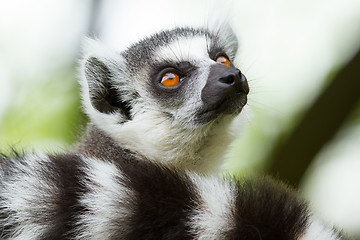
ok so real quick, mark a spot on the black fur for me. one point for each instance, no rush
(66, 172)
(5, 227)
(216, 51)
(268, 210)
(163, 202)
(104, 96)
(185, 70)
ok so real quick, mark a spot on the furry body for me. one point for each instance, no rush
(143, 171)
(72, 196)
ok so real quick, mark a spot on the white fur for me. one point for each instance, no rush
(214, 216)
(106, 199)
(193, 49)
(153, 136)
(317, 230)
(24, 193)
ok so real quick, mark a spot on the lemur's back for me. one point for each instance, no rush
(75, 197)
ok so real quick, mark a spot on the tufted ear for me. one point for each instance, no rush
(102, 71)
(219, 24)
(227, 37)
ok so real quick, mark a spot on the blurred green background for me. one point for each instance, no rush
(301, 59)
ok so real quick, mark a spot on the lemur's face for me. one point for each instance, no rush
(165, 95)
(191, 78)
(186, 75)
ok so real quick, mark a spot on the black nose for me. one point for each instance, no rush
(234, 79)
(224, 83)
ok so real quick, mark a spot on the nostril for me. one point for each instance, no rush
(230, 79)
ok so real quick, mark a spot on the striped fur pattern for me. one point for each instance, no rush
(142, 171)
(72, 196)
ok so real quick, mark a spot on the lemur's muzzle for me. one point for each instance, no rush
(225, 90)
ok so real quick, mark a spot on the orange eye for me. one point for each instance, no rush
(170, 79)
(223, 60)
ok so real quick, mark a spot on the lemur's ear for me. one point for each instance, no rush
(227, 37)
(102, 71)
(219, 24)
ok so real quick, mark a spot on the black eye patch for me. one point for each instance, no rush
(183, 69)
(170, 95)
(214, 52)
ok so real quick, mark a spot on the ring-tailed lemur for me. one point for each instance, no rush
(159, 112)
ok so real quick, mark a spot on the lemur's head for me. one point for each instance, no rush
(169, 96)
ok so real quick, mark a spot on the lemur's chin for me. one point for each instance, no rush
(235, 104)
(229, 106)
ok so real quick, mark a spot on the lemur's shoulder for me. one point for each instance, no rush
(71, 196)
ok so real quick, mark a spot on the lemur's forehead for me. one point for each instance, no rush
(170, 45)
(194, 49)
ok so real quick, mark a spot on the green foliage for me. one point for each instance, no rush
(43, 114)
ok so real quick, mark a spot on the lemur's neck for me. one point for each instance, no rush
(97, 144)
(201, 152)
